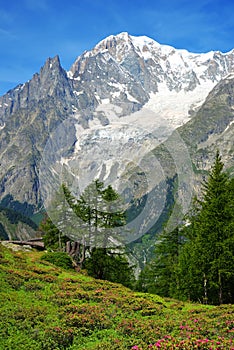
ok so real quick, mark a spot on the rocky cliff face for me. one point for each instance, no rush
(153, 85)
(28, 114)
(212, 127)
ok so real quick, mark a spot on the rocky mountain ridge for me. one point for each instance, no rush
(152, 63)
(120, 69)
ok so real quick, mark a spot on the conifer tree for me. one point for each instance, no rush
(100, 215)
(98, 212)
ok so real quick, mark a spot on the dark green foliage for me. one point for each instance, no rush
(38, 217)
(109, 266)
(112, 216)
(23, 208)
(98, 217)
(3, 233)
(60, 259)
(15, 217)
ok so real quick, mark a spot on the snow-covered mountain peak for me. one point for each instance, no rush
(133, 71)
(163, 59)
(143, 44)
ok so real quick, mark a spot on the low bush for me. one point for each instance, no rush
(59, 259)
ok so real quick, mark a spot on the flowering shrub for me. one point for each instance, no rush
(57, 338)
(86, 317)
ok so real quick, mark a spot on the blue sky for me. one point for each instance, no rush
(33, 30)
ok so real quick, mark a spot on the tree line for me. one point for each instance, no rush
(196, 260)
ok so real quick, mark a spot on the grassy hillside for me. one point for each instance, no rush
(43, 307)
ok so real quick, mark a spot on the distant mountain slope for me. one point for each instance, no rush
(14, 225)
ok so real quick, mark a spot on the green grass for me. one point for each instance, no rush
(43, 307)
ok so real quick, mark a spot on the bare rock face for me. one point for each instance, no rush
(122, 70)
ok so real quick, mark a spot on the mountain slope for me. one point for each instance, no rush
(212, 127)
